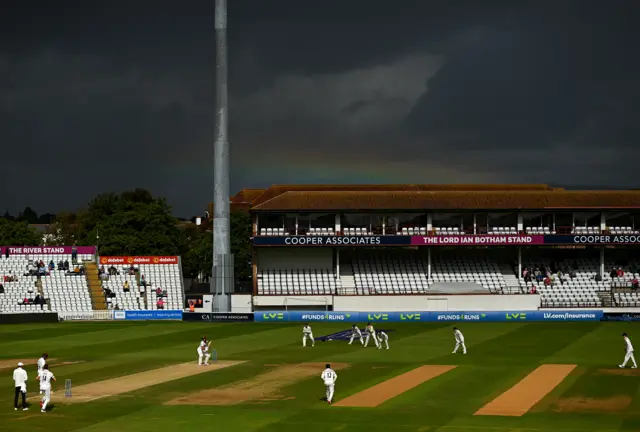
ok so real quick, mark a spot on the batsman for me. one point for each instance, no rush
(203, 351)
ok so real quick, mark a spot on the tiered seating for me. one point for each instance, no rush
(357, 231)
(581, 291)
(321, 232)
(168, 277)
(540, 231)
(503, 231)
(414, 231)
(272, 232)
(66, 293)
(482, 271)
(618, 230)
(390, 273)
(586, 230)
(447, 231)
(23, 288)
(125, 300)
(297, 282)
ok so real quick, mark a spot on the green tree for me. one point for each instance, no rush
(133, 223)
(28, 215)
(17, 233)
(241, 246)
(62, 231)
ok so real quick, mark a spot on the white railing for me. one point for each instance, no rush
(96, 315)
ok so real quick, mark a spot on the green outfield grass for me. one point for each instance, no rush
(592, 398)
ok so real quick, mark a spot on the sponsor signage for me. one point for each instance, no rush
(147, 315)
(398, 317)
(24, 318)
(47, 250)
(128, 260)
(217, 317)
(447, 240)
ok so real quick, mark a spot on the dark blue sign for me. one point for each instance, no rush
(332, 241)
(396, 317)
(143, 315)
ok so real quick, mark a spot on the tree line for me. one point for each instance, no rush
(133, 223)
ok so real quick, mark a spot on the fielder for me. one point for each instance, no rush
(371, 333)
(382, 337)
(628, 353)
(41, 362)
(45, 378)
(459, 337)
(203, 351)
(329, 378)
(307, 333)
(356, 333)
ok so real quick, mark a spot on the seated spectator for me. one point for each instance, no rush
(192, 306)
(547, 281)
(620, 272)
(60, 265)
(82, 270)
(159, 292)
(533, 290)
(614, 273)
(1, 289)
(37, 299)
(126, 287)
(101, 271)
(132, 270)
(634, 283)
(160, 303)
(104, 276)
(113, 271)
(51, 265)
(65, 265)
(116, 307)
(143, 281)
(76, 270)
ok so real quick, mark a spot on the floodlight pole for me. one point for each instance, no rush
(222, 274)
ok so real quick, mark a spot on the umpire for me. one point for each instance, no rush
(20, 380)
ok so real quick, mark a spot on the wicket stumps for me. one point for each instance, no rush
(214, 355)
(67, 388)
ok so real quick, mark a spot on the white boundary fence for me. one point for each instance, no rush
(98, 315)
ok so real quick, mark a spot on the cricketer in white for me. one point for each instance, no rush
(382, 337)
(371, 333)
(329, 377)
(628, 349)
(356, 333)
(45, 378)
(20, 380)
(459, 337)
(307, 333)
(203, 351)
(41, 362)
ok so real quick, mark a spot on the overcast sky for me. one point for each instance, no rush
(100, 96)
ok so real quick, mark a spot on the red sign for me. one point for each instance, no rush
(128, 260)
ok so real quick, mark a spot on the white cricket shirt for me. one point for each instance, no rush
(329, 376)
(46, 377)
(20, 377)
(458, 335)
(628, 342)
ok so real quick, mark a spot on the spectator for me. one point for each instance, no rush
(143, 281)
(51, 265)
(132, 270)
(143, 289)
(1, 289)
(547, 281)
(533, 290)
(74, 253)
(101, 271)
(113, 271)
(60, 265)
(634, 283)
(66, 265)
(160, 303)
(614, 273)
(159, 292)
(620, 272)
(126, 287)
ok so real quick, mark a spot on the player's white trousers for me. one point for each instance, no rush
(46, 398)
(353, 336)
(375, 340)
(629, 356)
(304, 339)
(458, 345)
(330, 390)
(200, 355)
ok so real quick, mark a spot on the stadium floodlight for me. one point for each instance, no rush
(222, 272)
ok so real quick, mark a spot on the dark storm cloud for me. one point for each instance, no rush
(110, 95)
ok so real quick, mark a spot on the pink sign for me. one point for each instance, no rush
(477, 240)
(47, 250)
